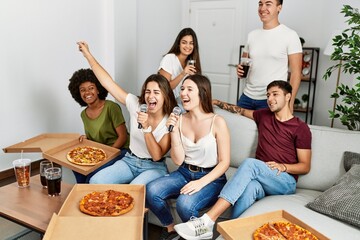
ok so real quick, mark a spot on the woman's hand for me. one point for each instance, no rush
(82, 137)
(143, 119)
(189, 70)
(192, 187)
(84, 48)
(173, 120)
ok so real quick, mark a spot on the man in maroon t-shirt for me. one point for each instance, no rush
(283, 152)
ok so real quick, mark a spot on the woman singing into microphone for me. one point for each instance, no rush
(200, 146)
(145, 160)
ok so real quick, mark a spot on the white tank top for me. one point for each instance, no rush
(203, 153)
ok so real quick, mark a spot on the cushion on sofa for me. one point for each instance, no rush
(342, 201)
(351, 158)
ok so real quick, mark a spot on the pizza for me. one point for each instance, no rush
(106, 203)
(86, 155)
(267, 232)
(282, 230)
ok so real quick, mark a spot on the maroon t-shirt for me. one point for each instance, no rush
(278, 141)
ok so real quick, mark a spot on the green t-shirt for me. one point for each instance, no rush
(102, 128)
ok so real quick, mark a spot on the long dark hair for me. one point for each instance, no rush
(169, 98)
(175, 49)
(204, 86)
(81, 76)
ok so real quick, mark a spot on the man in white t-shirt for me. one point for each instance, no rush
(273, 49)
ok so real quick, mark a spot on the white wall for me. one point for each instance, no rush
(159, 22)
(38, 56)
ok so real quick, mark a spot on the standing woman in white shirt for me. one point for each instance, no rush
(174, 65)
(145, 160)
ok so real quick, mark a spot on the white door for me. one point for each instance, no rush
(218, 28)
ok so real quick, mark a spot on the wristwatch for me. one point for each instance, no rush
(147, 130)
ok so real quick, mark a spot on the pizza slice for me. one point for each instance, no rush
(293, 231)
(267, 232)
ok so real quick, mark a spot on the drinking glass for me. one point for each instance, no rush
(43, 166)
(191, 62)
(246, 65)
(53, 179)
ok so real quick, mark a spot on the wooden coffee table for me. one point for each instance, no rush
(31, 207)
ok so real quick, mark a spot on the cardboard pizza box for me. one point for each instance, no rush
(61, 228)
(70, 206)
(71, 223)
(55, 146)
(42, 142)
(58, 155)
(243, 228)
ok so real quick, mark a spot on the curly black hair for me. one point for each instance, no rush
(81, 76)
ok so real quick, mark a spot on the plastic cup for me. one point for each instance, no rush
(53, 180)
(22, 168)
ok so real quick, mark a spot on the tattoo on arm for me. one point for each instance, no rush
(231, 107)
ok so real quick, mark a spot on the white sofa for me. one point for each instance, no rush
(328, 146)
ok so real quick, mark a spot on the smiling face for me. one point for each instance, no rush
(153, 97)
(277, 99)
(268, 11)
(186, 45)
(89, 92)
(189, 94)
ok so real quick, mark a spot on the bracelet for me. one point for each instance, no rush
(285, 167)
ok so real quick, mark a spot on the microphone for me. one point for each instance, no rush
(143, 108)
(177, 112)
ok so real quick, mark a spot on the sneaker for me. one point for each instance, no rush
(196, 228)
(165, 235)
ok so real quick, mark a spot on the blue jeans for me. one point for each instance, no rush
(251, 104)
(80, 178)
(130, 170)
(169, 186)
(252, 181)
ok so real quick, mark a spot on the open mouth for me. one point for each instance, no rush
(151, 105)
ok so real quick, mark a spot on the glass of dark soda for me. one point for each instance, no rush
(53, 180)
(43, 166)
(246, 65)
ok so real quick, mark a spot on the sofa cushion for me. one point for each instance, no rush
(342, 201)
(243, 136)
(328, 146)
(351, 158)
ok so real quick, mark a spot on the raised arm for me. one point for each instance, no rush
(102, 75)
(234, 108)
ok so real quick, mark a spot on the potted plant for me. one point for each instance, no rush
(348, 111)
(305, 99)
(296, 103)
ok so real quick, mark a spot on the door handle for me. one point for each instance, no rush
(232, 65)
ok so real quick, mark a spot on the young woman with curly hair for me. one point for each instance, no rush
(103, 119)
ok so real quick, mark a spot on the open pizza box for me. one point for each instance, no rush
(55, 146)
(243, 228)
(71, 223)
